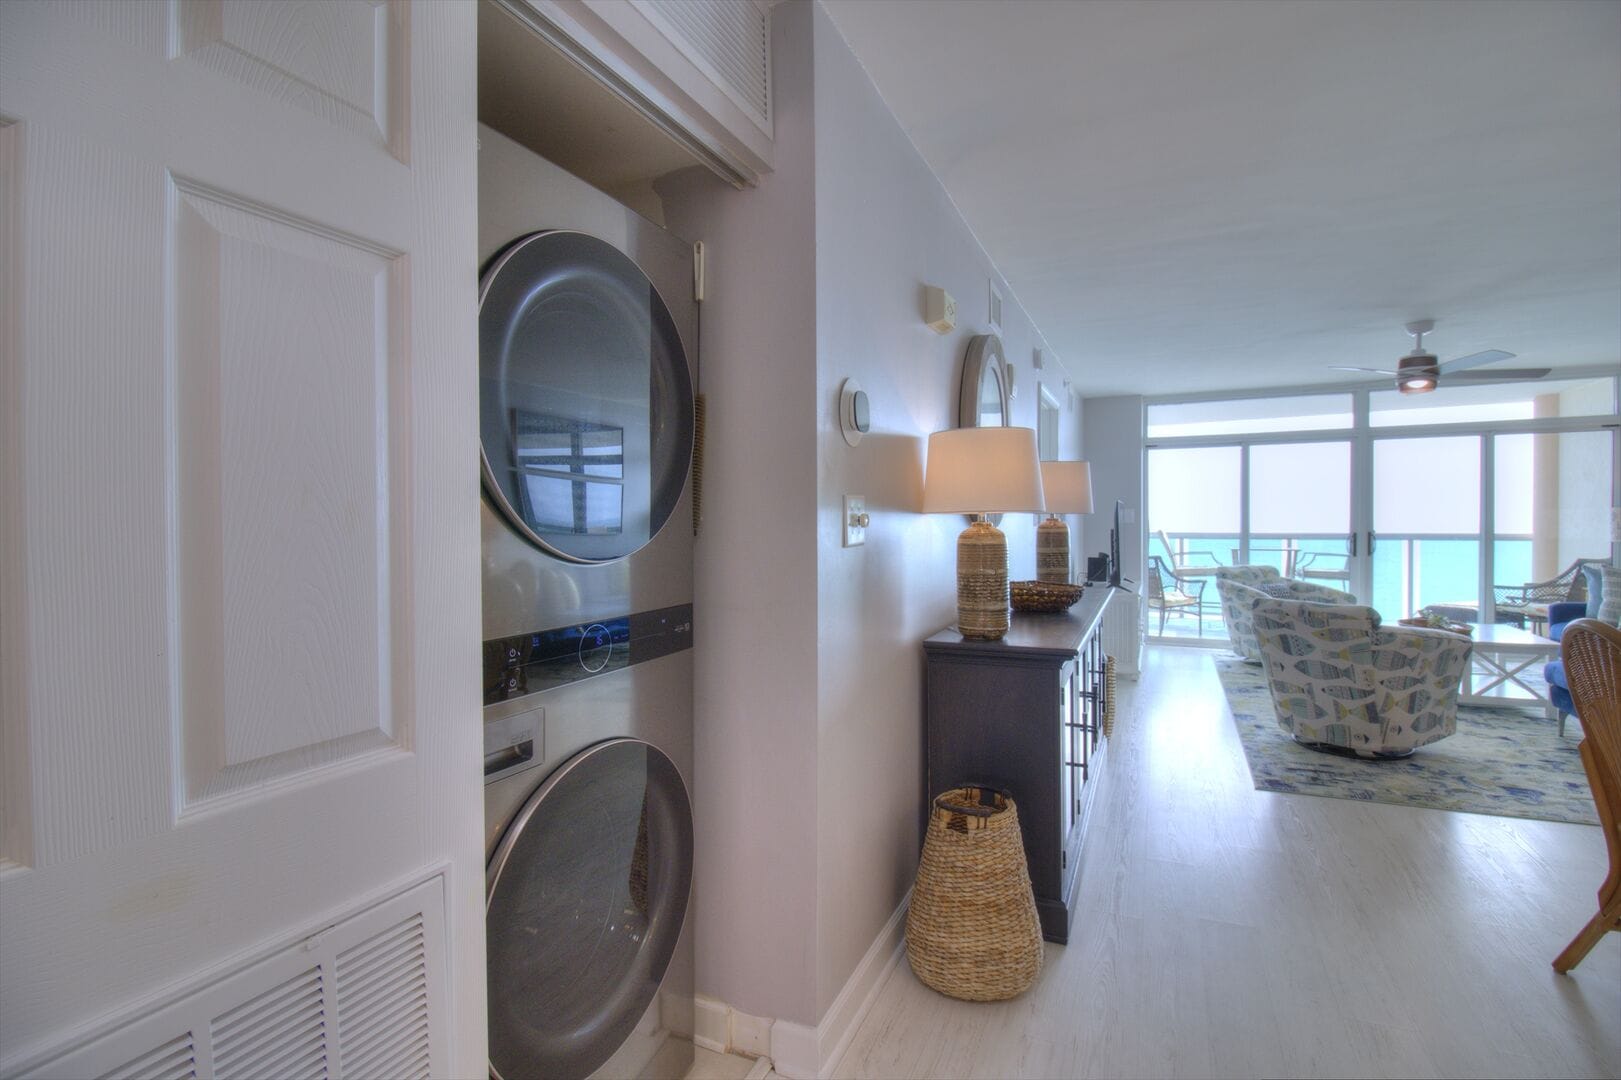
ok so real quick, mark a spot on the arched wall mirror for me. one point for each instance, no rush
(984, 398)
(983, 401)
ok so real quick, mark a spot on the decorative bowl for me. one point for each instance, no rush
(1045, 597)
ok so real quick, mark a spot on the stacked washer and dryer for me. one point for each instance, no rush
(587, 363)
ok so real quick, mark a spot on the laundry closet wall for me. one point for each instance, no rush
(809, 684)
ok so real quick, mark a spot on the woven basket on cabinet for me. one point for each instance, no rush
(1108, 697)
(972, 930)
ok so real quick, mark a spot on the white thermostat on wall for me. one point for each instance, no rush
(939, 309)
(855, 418)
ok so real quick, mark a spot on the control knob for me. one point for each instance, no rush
(596, 647)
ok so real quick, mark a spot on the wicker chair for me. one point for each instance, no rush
(1591, 651)
(1516, 602)
(1192, 562)
(1169, 591)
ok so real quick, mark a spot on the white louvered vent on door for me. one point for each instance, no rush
(362, 996)
(174, 1060)
(383, 1003)
(282, 1032)
(730, 40)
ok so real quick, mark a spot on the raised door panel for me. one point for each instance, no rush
(345, 61)
(290, 376)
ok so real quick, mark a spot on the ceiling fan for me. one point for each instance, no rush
(1420, 372)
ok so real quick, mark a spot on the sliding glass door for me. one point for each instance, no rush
(1300, 510)
(1426, 526)
(1483, 501)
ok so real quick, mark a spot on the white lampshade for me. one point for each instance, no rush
(986, 470)
(1067, 486)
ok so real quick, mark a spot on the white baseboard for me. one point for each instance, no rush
(860, 990)
(794, 1051)
(799, 1051)
(712, 1024)
(723, 1029)
(751, 1035)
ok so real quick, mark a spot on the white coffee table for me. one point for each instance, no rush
(1501, 655)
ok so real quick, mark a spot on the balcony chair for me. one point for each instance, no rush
(1516, 603)
(1322, 566)
(1239, 586)
(1591, 651)
(1343, 684)
(1191, 562)
(1169, 591)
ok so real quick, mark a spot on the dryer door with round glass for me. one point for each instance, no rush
(587, 893)
(585, 397)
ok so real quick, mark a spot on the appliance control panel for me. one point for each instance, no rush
(529, 663)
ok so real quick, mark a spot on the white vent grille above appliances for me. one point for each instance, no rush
(729, 40)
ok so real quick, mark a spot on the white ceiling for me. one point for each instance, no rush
(1224, 194)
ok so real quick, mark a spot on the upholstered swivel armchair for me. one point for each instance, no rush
(1344, 684)
(1238, 587)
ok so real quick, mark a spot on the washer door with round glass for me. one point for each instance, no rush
(585, 397)
(587, 893)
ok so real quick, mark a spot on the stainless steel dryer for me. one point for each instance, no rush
(587, 339)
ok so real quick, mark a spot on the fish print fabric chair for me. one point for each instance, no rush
(1344, 684)
(1240, 586)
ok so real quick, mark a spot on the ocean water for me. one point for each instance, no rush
(1445, 571)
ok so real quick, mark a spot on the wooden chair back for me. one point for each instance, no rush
(1591, 652)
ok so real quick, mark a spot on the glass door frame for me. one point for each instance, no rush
(1362, 437)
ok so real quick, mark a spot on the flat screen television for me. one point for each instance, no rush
(1114, 548)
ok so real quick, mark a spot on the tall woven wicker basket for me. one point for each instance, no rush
(972, 930)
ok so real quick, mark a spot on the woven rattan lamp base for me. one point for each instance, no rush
(1052, 551)
(982, 596)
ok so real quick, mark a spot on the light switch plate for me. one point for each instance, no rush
(855, 520)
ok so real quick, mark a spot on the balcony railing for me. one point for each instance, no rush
(1409, 572)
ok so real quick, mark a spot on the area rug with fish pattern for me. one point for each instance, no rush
(1500, 761)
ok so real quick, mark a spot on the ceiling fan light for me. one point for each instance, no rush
(1415, 384)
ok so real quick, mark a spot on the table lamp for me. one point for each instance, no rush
(980, 471)
(1067, 487)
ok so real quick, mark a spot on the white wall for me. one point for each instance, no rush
(810, 669)
(1113, 428)
(885, 227)
(755, 587)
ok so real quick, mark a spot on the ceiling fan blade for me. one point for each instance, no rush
(1500, 375)
(1369, 370)
(1463, 363)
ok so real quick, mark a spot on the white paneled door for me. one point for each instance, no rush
(238, 538)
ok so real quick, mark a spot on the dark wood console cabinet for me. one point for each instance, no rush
(1025, 714)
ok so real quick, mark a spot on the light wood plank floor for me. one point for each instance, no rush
(1231, 932)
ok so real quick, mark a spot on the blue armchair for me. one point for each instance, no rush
(1561, 615)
